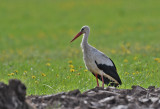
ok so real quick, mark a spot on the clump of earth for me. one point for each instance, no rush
(13, 96)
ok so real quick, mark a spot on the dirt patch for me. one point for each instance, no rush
(97, 98)
(12, 96)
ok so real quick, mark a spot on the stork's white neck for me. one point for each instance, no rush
(84, 43)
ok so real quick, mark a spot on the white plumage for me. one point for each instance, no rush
(97, 62)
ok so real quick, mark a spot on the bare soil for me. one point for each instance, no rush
(12, 96)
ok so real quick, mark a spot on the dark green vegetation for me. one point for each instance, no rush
(35, 36)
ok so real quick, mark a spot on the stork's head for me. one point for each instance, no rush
(84, 30)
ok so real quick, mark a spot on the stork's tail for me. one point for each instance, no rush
(107, 81)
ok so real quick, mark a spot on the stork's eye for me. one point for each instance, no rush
(82, 29)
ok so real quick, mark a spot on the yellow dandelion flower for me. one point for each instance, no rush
(72, 70)
(48, 64)
(147, 47)
(133, 73)
(9, 74)
(126, 73)
(128, 51)
(36, 82)
(85, 70)
(25, 71)
(137, 72)
(33, 77)
(78, 73)
(70, 62)
(43, 74)
(135, 58)
(113, 51)
(57, 75)
(71, 66)
(125, 60)
(16, 71)
(12, 74)
(156, 59)
(123, 48)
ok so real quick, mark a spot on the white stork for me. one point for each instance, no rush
(101, 66)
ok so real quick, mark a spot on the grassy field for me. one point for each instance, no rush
(35, 42)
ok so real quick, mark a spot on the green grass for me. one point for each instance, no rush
(36, 32)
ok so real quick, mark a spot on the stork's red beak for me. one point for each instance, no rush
(80, 33)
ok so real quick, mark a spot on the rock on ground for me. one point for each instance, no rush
(12, 96)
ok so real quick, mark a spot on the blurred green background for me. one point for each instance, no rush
(35, 42)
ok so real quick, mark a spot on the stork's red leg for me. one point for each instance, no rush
(97, 80)
(102, 81)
